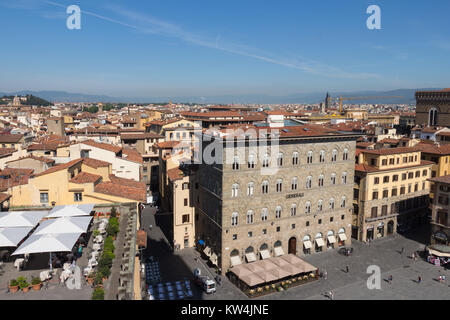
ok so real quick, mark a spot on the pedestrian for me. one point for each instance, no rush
(443, 278)
(325, 274)
(419, 279)
(390, 279)
(331, 295)
(346, 269)
(403, 249)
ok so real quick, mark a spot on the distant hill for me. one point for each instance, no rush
(30, 100)
(62, 96)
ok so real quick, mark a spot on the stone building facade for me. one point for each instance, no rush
(433, 108)
(440, 221)
(301, 203)
(391, 187)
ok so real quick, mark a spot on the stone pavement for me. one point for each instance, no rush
(385, 253)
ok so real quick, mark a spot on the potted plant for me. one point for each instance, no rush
(98, 294)
(36, 283)
(91, 277)
(23, 284)
(13, 286)
(113, 212)
(98, 281)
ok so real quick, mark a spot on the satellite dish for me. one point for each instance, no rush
(197, 272)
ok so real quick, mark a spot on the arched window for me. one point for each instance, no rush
(307, 238)
(333, 178)
(345, 154)
(334, 155)
(265, 187)
(234, 218)
(278, 212)
(319, 235)
(234, 190)
(320, 205)
(344, 178)
(308, 207)
(294, 183)
(280, 159)
(322, 156)
(251, 161)
(309, 157)
(279, 185)
(332, 204)
(321, 180)
(250, 189)
(293, 209)
(250, 216)
(341, 230)
(265, 162)
(433, 117)
(235, 165)
(308, 182)
(295, 158)
(343, 202)
(264, 214)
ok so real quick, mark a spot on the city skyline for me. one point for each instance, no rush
(165, 49)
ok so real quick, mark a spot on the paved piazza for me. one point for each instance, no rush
(385, 253)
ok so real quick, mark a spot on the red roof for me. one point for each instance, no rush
(85, 177)
(367, 168)
(105, 146)
(59, 167)
(94, 163)
(389, 151)
(122, 190)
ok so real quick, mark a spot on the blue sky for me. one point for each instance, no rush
(161, 48)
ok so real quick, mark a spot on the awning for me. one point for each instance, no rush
(342, 236)
(213, 259)
(62, 242)
(250, 256)
(21, 218)
(10, 237)
(320, 242)
(265, 254)
(331, 239)
(207, 251)
(71, 210)
(307, 244)
(278, 251)
(64, 225)
(235, 261)
(438, 254)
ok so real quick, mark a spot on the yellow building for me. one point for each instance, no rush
(76, 182)
(391, 188)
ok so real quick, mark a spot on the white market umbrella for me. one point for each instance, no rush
(10, 237)
(62, 242)
(21, 218)
(71, 210)
(64, 225)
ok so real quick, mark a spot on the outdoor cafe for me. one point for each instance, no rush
(272, 274)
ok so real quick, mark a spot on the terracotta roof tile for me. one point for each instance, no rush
(388, 151)
(10, 138)
(124, 191)
(367, 168)
(85, 177)
(101, 145)
(94, 163)
(59, 167)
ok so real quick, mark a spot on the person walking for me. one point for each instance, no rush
(403, 250)
(325, 274)
(346, 268)
(331, 294)
(390, 279)
(419, 279)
